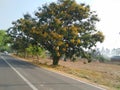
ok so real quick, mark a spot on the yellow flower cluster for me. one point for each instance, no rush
(73, 28)
(78, 41)
(82, 7)
(66, 45)
(60, 43)
(75, 41)
(72, 40)
(64, 49)
(60, 36)
(45, 35)
(58, 54)
(57, 48)
(54, 35)
(75, 33)
(33, 29)
(57, 21)
(64, 29)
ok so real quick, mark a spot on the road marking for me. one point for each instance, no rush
(27, 81)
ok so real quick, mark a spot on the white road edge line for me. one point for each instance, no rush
(27, 81)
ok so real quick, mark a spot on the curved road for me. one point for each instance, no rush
(20, 75)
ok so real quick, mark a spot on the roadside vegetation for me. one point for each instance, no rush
(4, 41)
(60, 36)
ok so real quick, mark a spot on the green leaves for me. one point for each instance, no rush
(4, 41)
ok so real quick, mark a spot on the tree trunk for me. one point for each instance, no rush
(37, 58)
(55, 61)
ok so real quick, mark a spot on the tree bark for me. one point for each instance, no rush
(55, 61)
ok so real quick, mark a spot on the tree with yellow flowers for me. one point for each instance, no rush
(64, 28)
(67, 28)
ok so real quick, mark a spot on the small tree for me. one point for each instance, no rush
(4, 41)
(35, 50)
(66, 28)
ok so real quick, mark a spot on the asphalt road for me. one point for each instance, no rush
(20, 75)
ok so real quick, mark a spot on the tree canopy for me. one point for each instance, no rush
(64, 28)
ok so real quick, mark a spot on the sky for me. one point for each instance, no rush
(107, 10)
(109, 14)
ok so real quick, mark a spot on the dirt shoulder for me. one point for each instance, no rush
(100, 74)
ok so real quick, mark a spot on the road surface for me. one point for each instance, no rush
(20, 75)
